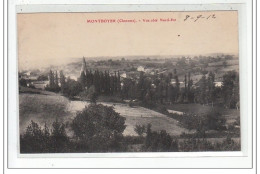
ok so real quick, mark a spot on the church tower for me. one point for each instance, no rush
(83, 67)
(83, 73)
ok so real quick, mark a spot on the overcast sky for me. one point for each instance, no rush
(55, 38)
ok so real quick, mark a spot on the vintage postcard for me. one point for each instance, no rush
(99, 82)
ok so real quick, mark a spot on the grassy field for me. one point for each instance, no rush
(46, 108)
(41, 109)
(137, 116)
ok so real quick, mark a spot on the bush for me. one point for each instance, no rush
(34, 140)
(162, 109)
(195, 144)
(159, 141)
(139, 129)
(52, 89)
(22, 82)
(89, 94)
(215, 121)
(58, 137)
(227, 145)
(38, 140)
(92, 94)
(128, 140)
(72, 88)
(212, 120)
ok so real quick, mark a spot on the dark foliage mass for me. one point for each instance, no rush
(38, 140)
(99, 127)
(159, 141)
(150, 90)
(212, 120)
(198, 144)
(139, 129)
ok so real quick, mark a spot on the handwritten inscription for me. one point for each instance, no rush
(199, 17)
(153, 20)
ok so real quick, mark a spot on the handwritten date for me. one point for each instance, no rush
(199, 17)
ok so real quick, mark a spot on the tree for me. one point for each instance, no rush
(159, 92)
(62, 81)
(98, 127)
(34, 140)
(38, 140)
(72, 88)
(22, 82)
(115, 82)
(82, 79)
(203, 90)
(211, 120)
(141, 87)
(92, 94)
(167, 87)
(214, 120)
(182, 62)
(172, 93)
(89, 78)
(111, 84)
(51, 80)
(185, 88)
(177, 84)
(56, 80)
(139, 129)
(58, 137)
(96, 81)
(118, 82)
(190, 90)
(211, 88)
(128, 89)
(42, 78)
(224, 64)
(107, 82)
(159, 141)
(230, 89)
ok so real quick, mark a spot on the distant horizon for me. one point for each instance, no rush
(133, 57)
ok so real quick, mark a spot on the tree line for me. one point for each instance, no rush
(104, 82)
(160, 89)
(151, 90)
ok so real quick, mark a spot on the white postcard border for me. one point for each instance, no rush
(58, 160)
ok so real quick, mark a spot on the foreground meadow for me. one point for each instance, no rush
(158, 130)
(46, 108)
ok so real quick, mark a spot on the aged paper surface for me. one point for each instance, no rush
(128, 82)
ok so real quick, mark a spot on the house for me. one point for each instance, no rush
(40, 84)
(140, 68)
(173, 82)
(28, 73)
(218, 84)
(123, 75)
(149, 71)
(73, 77)
(175, 112)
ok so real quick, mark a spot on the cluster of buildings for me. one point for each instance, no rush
(31, 79)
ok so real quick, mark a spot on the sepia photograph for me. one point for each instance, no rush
(110, 82)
